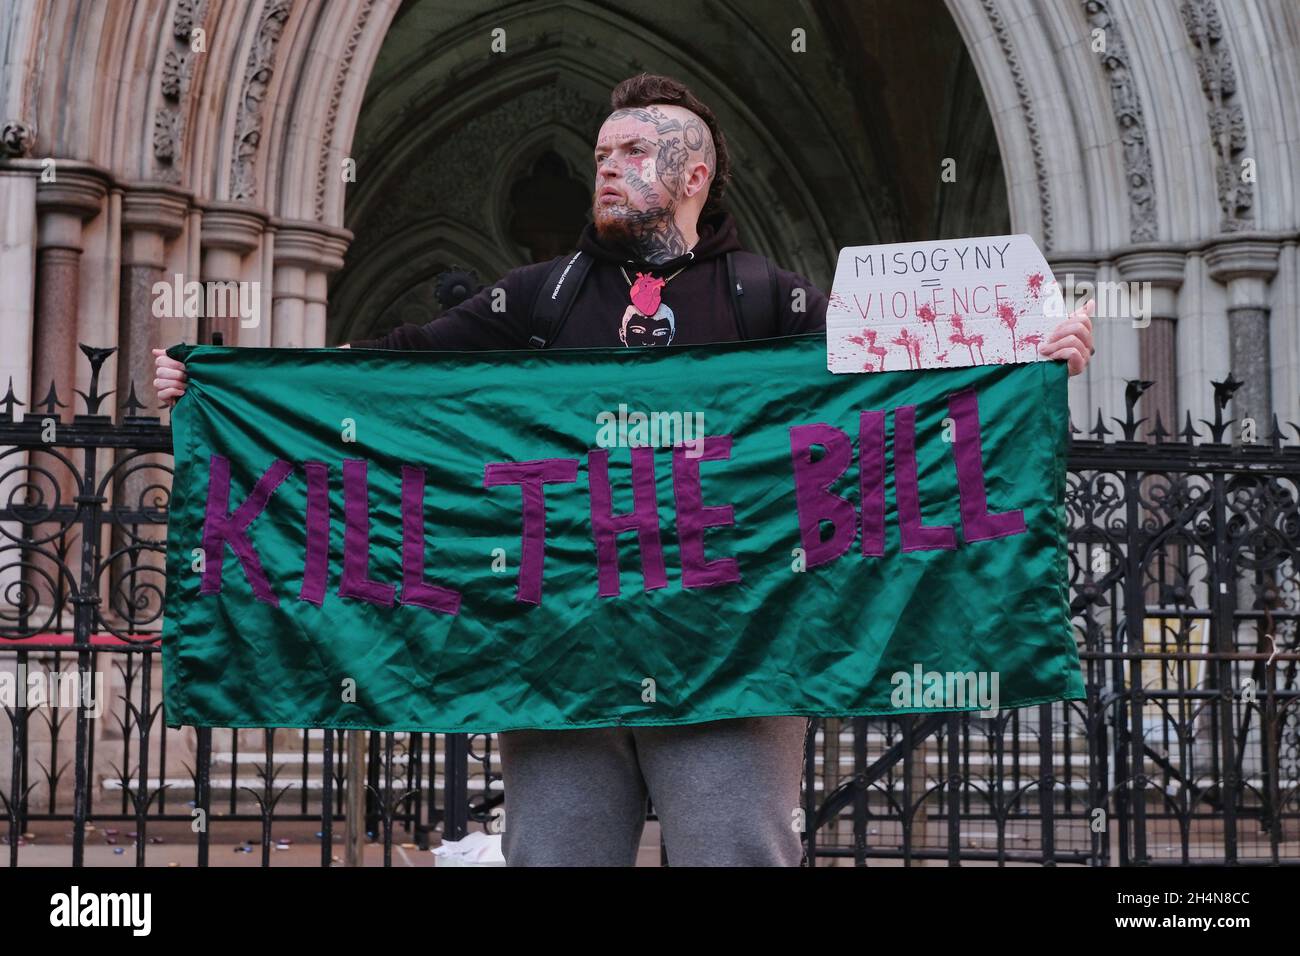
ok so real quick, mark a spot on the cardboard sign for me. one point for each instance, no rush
(950, 303)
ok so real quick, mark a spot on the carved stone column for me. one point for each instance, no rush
(18, 266)
(1157, 363)
(1246, 266)
(230, 231)
(1073, 275)
(305, 255)
(17, 325)
(1157, 350)
(76, 196)
(318, 291)
(62, 207)
(151, 216)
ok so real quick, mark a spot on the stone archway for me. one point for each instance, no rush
(1126, 166)
(818, 158)
(226, 163)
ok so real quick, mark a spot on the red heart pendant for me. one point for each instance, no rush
(645, 293)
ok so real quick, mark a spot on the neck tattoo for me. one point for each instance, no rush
(654, 237)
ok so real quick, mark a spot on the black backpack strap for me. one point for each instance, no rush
(754, 295)
(556, 297)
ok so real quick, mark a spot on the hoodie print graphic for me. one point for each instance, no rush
(648, 320)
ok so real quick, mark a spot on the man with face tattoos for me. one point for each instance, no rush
(657, 243)
(726, 792)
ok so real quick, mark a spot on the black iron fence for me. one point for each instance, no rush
(1184, 591)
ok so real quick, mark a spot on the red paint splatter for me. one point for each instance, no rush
(879, 351)
(926, 315)
(913, 346)
(959, 336)
(867, 341)
(1008, 317)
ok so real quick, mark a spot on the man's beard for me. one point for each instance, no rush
(612, 225)
(621, 225)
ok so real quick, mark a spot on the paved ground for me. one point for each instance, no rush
(51, 845)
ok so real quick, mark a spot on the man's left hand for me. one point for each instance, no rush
(1072, 339)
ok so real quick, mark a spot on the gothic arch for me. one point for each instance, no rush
(381, 274)
(561, 88)
(573, 149)
(1125, 166)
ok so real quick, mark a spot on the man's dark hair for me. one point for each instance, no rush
(649, 89)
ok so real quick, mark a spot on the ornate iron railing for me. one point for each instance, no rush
(1185, 597)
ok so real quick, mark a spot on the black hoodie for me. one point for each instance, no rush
(695, 305)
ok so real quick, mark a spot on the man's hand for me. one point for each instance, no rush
(169, 377)
(1072, 339)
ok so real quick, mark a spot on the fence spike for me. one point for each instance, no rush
(132, 404)
(1218, 426)
(1276, 437)
(1159, 432)
(1223, 392)
(1133, 391)
(9, 401)
(51, 401)
(1099, 431)
(97, 357)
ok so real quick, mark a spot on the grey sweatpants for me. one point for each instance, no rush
(726, 793)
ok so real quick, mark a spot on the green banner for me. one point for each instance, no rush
(482, 541)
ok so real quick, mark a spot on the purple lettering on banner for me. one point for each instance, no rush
(316, 561)
(643, 519)
(693, 517)
(530, 476)
(356, 581)
(415, 590)
(814, 500)
(976, 522)
(871, 450)
(915, 536)
(221, 527)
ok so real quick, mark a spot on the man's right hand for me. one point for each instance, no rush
(169, 377)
